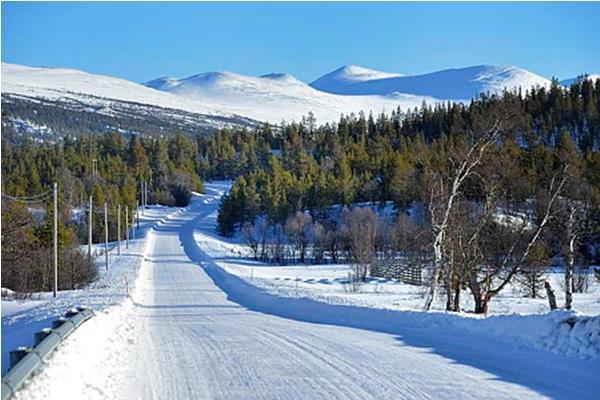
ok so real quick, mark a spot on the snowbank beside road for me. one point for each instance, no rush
(559, 331)
(305, 293)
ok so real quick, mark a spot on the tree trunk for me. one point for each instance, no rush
(478, 305)
(437, 266)
(456, 306)
(449, 291)
(486, 305)
(569, 274)
(482, 302)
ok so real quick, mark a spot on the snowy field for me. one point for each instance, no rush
(202, 322)
(328, 283)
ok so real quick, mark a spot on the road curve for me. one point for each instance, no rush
(193, 342)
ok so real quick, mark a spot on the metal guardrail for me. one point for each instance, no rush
(24, 362)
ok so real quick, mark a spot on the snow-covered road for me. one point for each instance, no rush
(181, 336)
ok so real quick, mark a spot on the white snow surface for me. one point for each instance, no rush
(452, 84)
(355, 73)
(273, 97)
(99, 90)
(277, 97)
(570, 81)
(192, 329)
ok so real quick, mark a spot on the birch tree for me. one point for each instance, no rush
(446, 178)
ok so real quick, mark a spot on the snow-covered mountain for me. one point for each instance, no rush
(66, 101)
(63, 83)
(351, 74)
(215, 99)
(570, 81)
(458, 84)
(276, 97)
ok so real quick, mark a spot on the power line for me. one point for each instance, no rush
(29, 199)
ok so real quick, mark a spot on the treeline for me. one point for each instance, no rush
(364, 158)
(508, 183)
(109, 168)
(56, 119)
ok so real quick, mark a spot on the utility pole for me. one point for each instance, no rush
(106, 235)
(142, 195)
(119, 229)
(90, 212)
(145, 194)
(55, 238)
(126, 226)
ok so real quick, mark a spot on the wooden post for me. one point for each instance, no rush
(126, 226)
(142, 195)
(90, 212)
(106, 235)
(55, 239)
(119, 229)
(550, 295)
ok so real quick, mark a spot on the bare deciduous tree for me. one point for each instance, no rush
(506, 250)
(445, 179)
(298, 228)
(251, 235)
(359, 228)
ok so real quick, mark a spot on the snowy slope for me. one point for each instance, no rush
(350, 74)
(62, 83)
(570, 81)
(272, 97)
(460, 83)
(277, 97)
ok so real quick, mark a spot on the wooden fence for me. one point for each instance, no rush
(399, 269)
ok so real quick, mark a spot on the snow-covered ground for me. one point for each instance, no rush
(515, 320)
(22, 318)
(328, 283)
(200, 324)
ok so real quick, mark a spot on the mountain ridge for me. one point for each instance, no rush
(452, 84)
(271, 97)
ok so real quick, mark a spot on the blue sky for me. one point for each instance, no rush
(141, 41)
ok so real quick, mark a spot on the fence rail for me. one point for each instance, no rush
(400, 269)
(24, 362)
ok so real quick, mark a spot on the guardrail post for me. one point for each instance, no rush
(17, 355)
(57, 323)
(41, 335)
